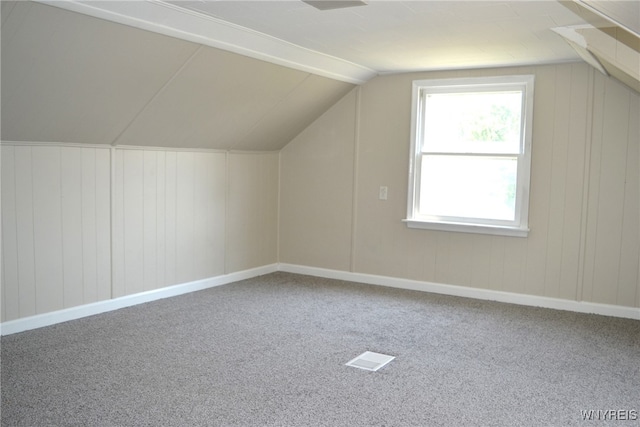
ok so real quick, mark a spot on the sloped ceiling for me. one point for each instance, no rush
(611, 40)
(242, 75)
(68, 77)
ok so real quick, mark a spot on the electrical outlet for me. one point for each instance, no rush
(383, 193)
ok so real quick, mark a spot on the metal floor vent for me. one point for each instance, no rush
(370, 361)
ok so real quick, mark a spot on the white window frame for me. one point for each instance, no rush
(520, 226)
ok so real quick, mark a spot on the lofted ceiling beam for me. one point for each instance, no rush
(165, 18)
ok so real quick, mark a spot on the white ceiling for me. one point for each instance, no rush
(354, 44)
(392, 36)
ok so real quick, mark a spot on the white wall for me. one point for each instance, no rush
(316, 182)
(55, 228)
(612, 224)
(252, 211)
(70, 237)
(178, 216)
(584, 215)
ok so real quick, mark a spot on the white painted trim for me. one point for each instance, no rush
(468, 228)
(192, 150)
(73, 313)
(578, 42)
(466, 292)
(47, 319)
(477, 67)
(253, 152)
(608, 17)
(56, 144)
(174, 21)
(176, 149)
(421, 89)
(127, 147)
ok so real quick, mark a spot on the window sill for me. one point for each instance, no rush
(497, 230)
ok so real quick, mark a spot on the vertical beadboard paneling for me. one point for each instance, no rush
(419, 259)
(558, 174)
(10, 282)
(72, 224)
(161, 209)
(56, 225)
(202, 249)
(117, 234)
(515, 258)
(47, 229)
(216, 224)
(583, 208)
(103, 224)
(496, 263)
(429, 251)
(171, 210)
(630, 241)
(173, 214)
(443, 258)
(168, 225)
(460, 265)
(150, 219)
(316, 190)
(133, 202)
(24, 226)
(541, 161)
(251, 218)
(185, 229)
(609, 212)
(481, 262)
(573, 217)
(593, 182)
(243, 211)
(269, 208)
(89, 192)
(170, 214)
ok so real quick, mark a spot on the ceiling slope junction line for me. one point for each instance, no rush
(170, 20)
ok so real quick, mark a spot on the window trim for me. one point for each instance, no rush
(519, 227)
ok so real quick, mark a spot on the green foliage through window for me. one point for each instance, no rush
(500, 125)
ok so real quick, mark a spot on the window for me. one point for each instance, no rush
(471, 155)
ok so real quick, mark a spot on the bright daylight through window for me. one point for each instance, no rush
(471, 155)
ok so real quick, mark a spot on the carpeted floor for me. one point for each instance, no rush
(271, 351)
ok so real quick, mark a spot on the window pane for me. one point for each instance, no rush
(473, 122)
(468, 187)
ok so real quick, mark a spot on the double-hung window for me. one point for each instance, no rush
(471, 155)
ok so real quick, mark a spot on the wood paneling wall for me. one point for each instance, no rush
(170, 222)
(613, 228)
(169, 218)
(55, 228)
(584, 206)
(72, 215)
(252, 210)
(318, 165)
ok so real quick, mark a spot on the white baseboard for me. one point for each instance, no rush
(47, 319)
(462, 291)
